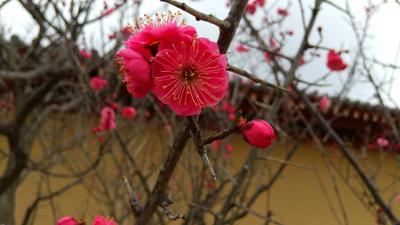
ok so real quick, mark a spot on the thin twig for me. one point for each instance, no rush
(197, 14)
(255, 78)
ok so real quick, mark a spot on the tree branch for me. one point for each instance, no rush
(159, 191)
(232, 22)
(255, 78)
(197, 14)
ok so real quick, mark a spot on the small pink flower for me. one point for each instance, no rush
(260, 2)
(190, 75)
(67, 220)
(273, 43)
(324, 103)
(85, 54)
(241, 48)
(231, 116)
(335, 62)
(258, 133)
(215, 145)
(282, 12)
(128, 112)
(95, 130)
(267, 57)
(229, 148)
(251, 8)
(97, 83)
(382, 142)
(100, 220)
(107, 121)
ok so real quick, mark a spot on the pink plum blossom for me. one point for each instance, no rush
(128, 112)
(382, 142)
(98, 83)
(324, 103)
(190, 75)
(335, 62)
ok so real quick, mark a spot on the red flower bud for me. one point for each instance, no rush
(128, 113)
(97, 83)
(335, 62)
(251, 8)
(258, 133)
(282, 12)
(382, 142)
(324, 104)
(67, 220)
(229, 148)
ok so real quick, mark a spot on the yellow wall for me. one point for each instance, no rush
(300, 197)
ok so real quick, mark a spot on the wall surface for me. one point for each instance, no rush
(304, 195)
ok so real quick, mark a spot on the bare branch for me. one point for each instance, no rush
(159, 191)
(233, 19)
(197, 14)
(255, 78)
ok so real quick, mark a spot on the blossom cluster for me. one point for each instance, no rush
(186, 72)
(166, 57)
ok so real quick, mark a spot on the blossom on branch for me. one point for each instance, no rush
(190, 75)
(324, 104)
(107, 121)
(335, 62)
(128, 113)
(257, 133)
(85, 54)
(98, 83)
(142, 46)
(282, 12)
(242, 48)
(166, 57)
(382, 142)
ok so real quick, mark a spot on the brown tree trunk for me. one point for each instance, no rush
(7, 206)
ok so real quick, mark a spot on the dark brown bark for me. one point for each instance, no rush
(159, 191)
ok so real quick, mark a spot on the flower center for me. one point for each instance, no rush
(189, 74)
(153, 48)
